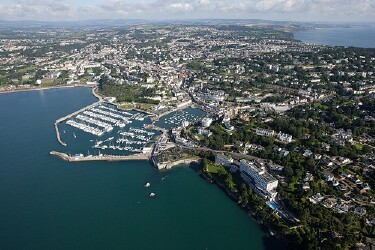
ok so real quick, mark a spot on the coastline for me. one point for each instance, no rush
(338, 36)
(163, 166)
(266, 226)
(169, 165)
(46, 88)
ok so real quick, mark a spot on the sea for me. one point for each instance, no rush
(356, 36)
(47, 203)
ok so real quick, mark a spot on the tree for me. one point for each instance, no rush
(366, 149)
(288, 171)
(243, 198)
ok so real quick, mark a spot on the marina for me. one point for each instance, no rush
(104, 117)
(86, 128)
(111, 133)
(107, 130)
(180, 118)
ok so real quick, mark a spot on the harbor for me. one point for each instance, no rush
(109, 131)
(108, 128)
(179, 118)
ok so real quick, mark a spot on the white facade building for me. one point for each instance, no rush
(223, 160)
(258, 177)
(284, 137)
(264, 132)
(206, 122)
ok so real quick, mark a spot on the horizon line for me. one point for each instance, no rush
(190, 19)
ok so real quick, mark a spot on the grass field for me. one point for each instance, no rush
(214, 169)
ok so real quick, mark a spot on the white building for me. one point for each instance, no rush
(264, 132)
(223, 160)
(110, 99)
(206, 122)
(204, 132)
(284, 137)
(258, 177)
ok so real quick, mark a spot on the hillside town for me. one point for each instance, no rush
(289, 130)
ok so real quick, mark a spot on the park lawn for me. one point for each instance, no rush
(125, 105)
(50, 83)
(214, 169)
(137, 105)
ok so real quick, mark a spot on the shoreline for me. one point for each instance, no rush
(315, 37)
(169, 165)
(45, 88)
(265, 226)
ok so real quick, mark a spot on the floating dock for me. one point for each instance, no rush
(60, 120)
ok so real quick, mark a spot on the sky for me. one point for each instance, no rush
(286, 10)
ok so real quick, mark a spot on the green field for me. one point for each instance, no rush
(214, 169)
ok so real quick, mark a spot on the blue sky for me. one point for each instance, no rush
(289, 10)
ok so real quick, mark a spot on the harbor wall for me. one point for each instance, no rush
(134, 157)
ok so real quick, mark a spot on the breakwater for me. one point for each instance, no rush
(80, 158)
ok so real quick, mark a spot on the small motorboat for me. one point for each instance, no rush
(152, 195)
(147, 185)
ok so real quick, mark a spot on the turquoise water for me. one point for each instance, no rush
(357, 36)
(47, 203)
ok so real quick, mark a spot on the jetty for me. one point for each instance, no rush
(81, 158)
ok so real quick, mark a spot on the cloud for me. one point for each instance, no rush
(35, 9)
(319, 10)
(181, 6)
